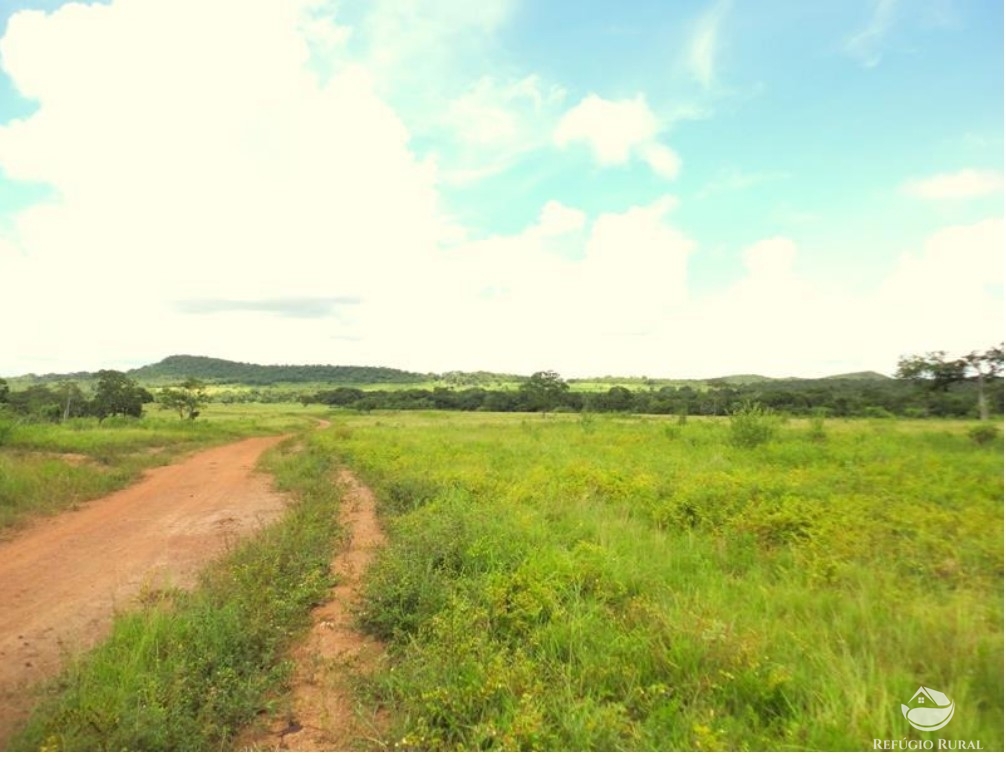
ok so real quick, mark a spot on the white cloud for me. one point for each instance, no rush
(557, 219)
(948, 295)
(615, 131)
(967, 183)
(442, 68)
(564, 293)
(492, 114)
(867, 45)
(661, 160)
(246, 206)
(705, 45)
(191, 175)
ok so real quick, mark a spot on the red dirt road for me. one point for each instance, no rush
(62, 581)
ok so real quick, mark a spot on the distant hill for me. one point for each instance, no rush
(744, 380)
(864, 376)
(177, 367)
(180, 366)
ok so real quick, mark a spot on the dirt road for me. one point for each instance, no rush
(322, 713)
(62, 581)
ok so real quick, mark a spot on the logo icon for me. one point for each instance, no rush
(928, 710)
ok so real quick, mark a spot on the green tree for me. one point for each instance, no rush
(544, 391)
(4, 391)
(118, 394)
(938, 372)
(934, 369)
(72, 402)
(985, 366)
(187, 399)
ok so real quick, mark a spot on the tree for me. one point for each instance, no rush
(73, 402)
(4, 391)
(939, 373)
(985, 365)
(932, 369)
(186, 399)
(118, 394)
(544, 390)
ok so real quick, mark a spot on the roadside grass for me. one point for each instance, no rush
(187, 671)
(49, 467)
(636, 585)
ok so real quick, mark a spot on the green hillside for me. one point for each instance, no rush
(180, 366)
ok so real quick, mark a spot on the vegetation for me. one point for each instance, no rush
(118, 394)
(46, 467)
(930, 385)
(187, 399)
(600, 584)
(187, 672)
(767, 573)
(940, 373)
(834, 398)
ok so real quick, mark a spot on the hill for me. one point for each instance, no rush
(180, 366)
(222, 371)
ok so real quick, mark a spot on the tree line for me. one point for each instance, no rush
(927, 385)
(931, 385)
(115, 394)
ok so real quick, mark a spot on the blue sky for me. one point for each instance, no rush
(682, 189)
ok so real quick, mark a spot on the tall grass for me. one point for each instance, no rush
(556, 586)
(188, 671)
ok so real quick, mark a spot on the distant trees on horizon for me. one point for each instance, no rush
(929, 385)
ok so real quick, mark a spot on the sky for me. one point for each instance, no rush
(682, 189)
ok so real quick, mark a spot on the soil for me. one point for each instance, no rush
(63, 580)
(320, 712)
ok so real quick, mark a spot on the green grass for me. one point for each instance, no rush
(187, 672)
(595, 583)
(49, 467)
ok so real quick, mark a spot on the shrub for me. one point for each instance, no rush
(983, 433)
(751, 425)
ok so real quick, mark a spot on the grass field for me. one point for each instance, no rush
(587, 583)
(45, 468)
(590, 582)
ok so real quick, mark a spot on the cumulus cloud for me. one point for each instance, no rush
(948, 295)
(615, 131)
(189, 175)
(967, 183)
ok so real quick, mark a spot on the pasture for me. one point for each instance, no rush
(593, 582)
(626, 583)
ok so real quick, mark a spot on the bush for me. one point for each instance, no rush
(984, 433)
(752, 424)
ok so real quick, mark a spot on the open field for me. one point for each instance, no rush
(590, 583)
(46, 468)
